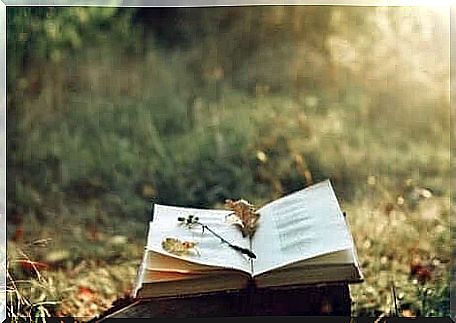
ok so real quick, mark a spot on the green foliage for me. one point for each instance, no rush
(252, 104)
(53, 32)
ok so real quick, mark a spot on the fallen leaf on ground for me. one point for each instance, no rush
(85, 293)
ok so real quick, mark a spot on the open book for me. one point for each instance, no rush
(301, 239)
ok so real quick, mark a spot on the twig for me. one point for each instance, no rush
(32, 263)
(240, 249)
(194, 220)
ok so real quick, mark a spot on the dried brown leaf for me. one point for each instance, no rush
(178, 247)
(245, 216)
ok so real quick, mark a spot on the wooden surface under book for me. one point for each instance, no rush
(331, 299)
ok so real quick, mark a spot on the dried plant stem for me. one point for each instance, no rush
(237, 248)
(32, 263)
(192, 220)
(21, 300)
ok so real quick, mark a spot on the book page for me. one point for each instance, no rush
(209, 249)
(302, 225)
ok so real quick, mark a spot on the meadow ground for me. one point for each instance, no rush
(400, 223)
(95, 133)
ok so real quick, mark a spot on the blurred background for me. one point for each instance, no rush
(110, 108)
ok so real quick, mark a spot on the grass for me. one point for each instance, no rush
(93, 259)
(121, 129)
(78, 274)
(88, 270)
